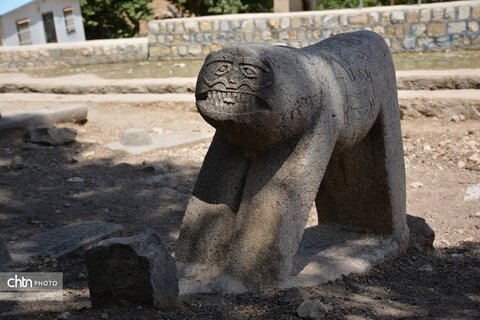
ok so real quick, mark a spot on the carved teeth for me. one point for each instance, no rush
(232, 102)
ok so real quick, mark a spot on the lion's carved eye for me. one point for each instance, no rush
(222, 69)
(249, 71)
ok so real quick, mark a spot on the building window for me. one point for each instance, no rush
(69, 19)
(24, 32)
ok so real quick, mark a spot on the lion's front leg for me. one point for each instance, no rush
(279, 192)
(209, 220)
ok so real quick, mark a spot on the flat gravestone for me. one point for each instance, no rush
(162, 141)
(64, 240)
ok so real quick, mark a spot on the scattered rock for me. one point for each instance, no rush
(461, 164)
(416, 185)
(50, 135)
(158, 130)
(426, 268)
(165, 179)
(474, 158)
(472, 193)
(135, 137)
(455, 118)
(104, 316)
(75, 179)
(17, 163)
(64, 316)
(427, 148)
(313, 309)
(295, 295)
(131, 271)
(421, 235)
(152, 168)
(30, 146)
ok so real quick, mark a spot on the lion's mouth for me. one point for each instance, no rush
(228, 102)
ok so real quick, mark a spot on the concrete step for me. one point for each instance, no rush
(438, 79)
(438, 103)
(91, 84)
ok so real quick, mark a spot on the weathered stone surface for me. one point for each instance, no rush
(4, 255)
(397, 17)
(50, 135)
(64, 240)
(437, 28)
(463, 12)
(457, 27)
(131, 271)
(287, 137)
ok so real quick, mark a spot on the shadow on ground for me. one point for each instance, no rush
(420, 284)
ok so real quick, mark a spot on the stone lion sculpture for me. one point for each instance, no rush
(295, 127)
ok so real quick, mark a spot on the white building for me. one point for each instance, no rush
(24, 22)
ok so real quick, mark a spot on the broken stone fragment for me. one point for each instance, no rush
(135, 270)
(50, 135)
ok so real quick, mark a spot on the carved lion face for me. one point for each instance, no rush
(252, 94)
(232, 84)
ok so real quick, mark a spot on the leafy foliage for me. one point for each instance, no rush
(105, 19)
(208, 7)
(331, 4)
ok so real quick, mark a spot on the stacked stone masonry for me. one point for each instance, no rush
(80, 53)
(428, 27)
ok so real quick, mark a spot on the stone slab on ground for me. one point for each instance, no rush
(29, 117)
(326, 253)
(64, 240)
(131, 271)
(164, 140)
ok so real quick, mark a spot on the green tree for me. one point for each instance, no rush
(209, 7)
(107, 19)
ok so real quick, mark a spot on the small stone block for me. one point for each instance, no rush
(135, 137)
(131, 271)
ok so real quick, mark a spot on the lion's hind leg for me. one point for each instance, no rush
(364, 185)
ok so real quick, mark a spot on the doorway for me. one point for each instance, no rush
(49, 26)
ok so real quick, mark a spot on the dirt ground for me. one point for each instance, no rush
(442, 161)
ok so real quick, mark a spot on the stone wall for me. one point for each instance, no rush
(428, 27)
(79, 53)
